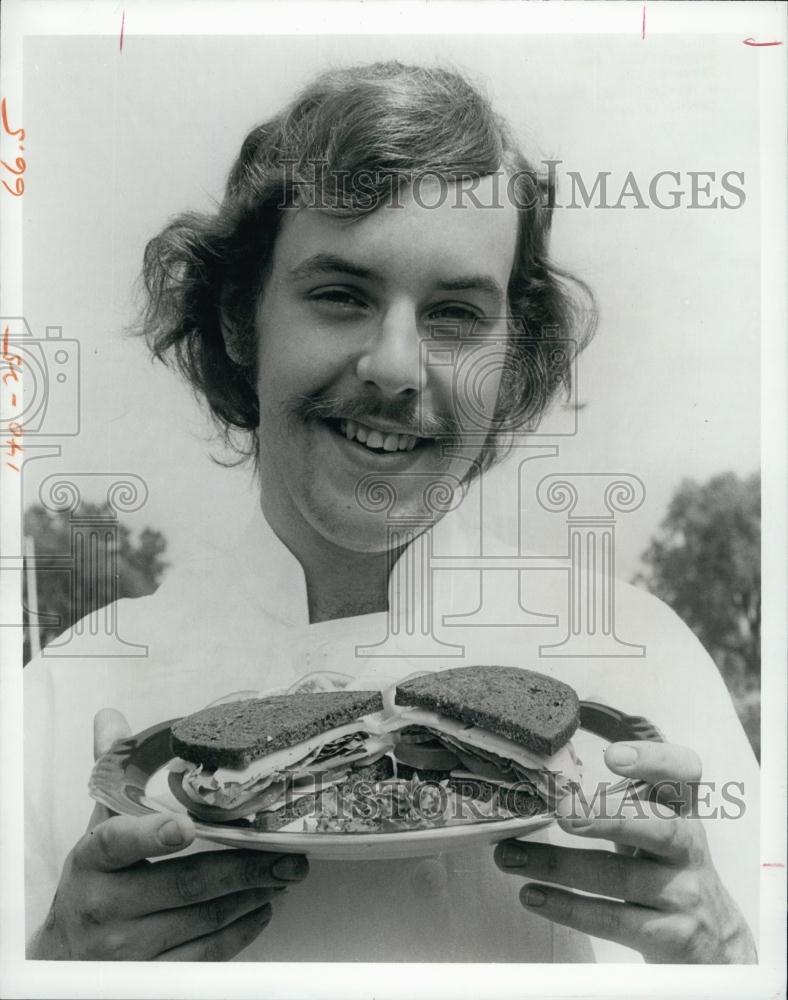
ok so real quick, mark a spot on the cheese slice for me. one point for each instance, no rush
(301, 753)
(563, 761)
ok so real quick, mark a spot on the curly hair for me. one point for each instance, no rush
(388, 123)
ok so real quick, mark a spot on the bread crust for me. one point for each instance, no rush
(236, 733)
(532, 709)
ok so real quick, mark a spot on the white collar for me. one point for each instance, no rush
(276, 579)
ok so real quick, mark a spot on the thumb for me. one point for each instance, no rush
(109, 725)
(126, 840)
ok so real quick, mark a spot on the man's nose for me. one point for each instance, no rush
(391, 358)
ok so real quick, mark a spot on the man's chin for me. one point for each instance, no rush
(372, 534)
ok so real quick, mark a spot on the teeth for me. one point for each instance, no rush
(377, 439)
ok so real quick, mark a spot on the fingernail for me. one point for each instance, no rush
(622, 756)
(170, 833)
(513, 856)
(291, 868)
(533, 896)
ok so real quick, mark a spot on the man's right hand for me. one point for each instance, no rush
(112, 903)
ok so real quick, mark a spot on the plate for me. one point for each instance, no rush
(131, 779)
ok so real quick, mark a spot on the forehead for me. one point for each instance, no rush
(431, 233)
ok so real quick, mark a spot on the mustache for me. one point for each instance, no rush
(408, 416)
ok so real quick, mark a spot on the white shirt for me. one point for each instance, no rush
(237, 620)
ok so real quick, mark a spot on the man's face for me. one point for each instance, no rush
(357, 381)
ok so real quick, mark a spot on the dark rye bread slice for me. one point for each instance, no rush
(534, 710)
(236, 733)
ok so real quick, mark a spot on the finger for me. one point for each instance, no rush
(109, 725)
(223, 944)
(198, 878)
(169, 929)
(672, 771)
(122, 841)
(99, 814)
(605, 873)
(638, 927)
(654, 762)
(668, 837)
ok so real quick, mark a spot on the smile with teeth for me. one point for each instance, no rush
(377, 440)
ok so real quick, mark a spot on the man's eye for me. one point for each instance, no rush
(462, 317)
(338, 298)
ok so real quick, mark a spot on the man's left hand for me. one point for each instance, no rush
(665, 898)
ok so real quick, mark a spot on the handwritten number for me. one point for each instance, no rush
(20, 131)
(20, 163)
(20, 187)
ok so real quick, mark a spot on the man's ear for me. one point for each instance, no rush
(238, 347)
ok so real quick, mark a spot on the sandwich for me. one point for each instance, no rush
(500, 731)
(454, 746)
(258, 757)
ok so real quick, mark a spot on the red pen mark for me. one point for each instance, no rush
(772, 864)
(643, 24)
(14, 363)
(122, 26)
(6, 127)
(758, 45)
(19, 165)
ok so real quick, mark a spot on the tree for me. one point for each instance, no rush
(705, 563)
(138, 566)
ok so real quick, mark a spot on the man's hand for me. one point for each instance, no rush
(666, 899)
(112, 903)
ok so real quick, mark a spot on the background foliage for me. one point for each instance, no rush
(705, 563)
(138, 567)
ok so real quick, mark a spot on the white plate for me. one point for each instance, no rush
(131, 779)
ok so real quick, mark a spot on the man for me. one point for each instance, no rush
(362, 223)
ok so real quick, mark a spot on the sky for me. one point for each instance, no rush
(668, 389)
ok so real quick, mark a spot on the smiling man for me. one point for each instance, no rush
(342, 393)
(360, 226)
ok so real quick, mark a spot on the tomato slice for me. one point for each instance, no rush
(428, 758)
(414, 734)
